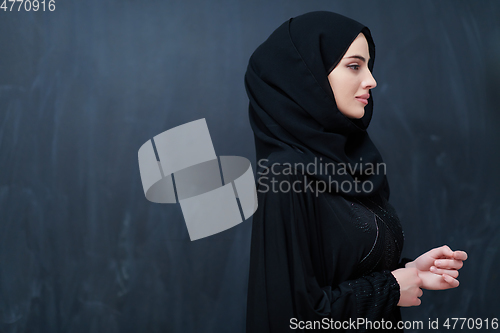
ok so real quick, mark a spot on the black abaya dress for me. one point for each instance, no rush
(321, 256)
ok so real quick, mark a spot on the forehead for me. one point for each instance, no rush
(358, 47)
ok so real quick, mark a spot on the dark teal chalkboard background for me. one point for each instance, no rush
(84, 86)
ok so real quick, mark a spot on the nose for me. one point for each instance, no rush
(369, 81)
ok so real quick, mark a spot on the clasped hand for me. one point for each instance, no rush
(436, 269)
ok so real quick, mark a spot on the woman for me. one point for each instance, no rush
(326, 243)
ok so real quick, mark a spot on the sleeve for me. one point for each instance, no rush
(287, 284)
(403, 262)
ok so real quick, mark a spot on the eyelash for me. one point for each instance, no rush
(353, 66)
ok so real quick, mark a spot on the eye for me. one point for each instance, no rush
(353, 66)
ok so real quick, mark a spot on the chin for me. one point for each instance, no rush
(357, 115)
(353, 114)
(361, 113)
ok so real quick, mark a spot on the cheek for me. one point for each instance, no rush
(347, 90)
(344, 87)
(352, 85)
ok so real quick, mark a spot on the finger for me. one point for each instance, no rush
(442, 252)
(460, 255)
(451, 272)
(448, 264)
(451, 281)
(420, 293)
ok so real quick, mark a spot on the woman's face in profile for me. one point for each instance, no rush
(351, 80)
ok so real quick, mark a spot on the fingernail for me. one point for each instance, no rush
(438, 262)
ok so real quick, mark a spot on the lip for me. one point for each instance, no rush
(363, 98)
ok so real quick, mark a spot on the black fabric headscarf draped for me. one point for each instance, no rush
(292, 108)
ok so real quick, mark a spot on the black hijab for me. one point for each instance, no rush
(292, 108)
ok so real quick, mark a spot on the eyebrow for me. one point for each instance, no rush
(357, 57)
